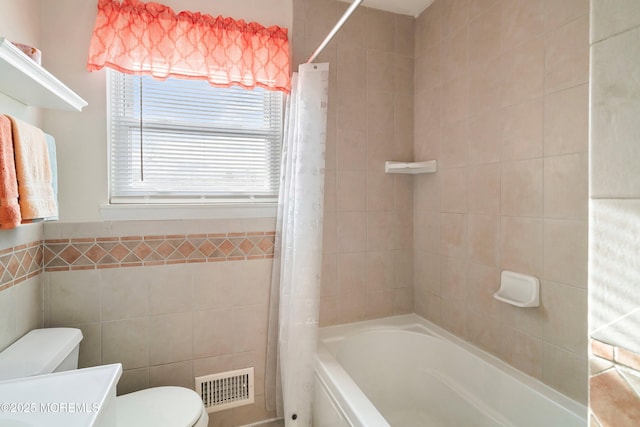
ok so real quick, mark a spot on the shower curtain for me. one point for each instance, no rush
(295, 284)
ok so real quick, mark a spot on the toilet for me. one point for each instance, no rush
(44, 351)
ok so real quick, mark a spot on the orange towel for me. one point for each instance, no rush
(9, 208)
(33, 172)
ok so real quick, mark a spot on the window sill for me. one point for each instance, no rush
(150, 212)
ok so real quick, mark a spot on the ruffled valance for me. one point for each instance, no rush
(151, 39)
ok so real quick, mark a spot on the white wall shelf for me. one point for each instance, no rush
(25, 80)
(429, 166)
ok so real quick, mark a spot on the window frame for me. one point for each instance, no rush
(132, 208)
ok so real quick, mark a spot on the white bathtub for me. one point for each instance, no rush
(404, 371)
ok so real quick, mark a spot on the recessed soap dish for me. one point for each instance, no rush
(518, 289)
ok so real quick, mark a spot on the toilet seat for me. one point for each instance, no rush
(161, 407)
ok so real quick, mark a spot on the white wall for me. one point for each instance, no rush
(82, 137)
(20, 22)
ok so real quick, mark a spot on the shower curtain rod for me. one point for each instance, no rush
(335, 30)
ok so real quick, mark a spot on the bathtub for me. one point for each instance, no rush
(404, 371)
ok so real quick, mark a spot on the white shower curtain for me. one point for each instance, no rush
(295, 286)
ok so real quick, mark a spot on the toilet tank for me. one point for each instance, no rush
(41, 351)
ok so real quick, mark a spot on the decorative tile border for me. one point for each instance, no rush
(138, 251)
(23, 262)
(20, 263)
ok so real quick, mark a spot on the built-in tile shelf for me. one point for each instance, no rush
(412, 168)
(28, 82)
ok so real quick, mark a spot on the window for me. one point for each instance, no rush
(184, 141)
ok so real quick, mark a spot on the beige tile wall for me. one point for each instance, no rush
(501, 101)
(21, 303)
(166, 323)
(21, 308)
(368, 223)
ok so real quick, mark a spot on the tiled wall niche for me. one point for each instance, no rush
(501, 101)
(368, 220)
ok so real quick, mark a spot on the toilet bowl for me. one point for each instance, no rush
(161, 406)
(44, 351)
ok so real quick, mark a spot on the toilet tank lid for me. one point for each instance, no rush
(38, 352)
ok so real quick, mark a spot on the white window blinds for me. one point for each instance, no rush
(186, 141)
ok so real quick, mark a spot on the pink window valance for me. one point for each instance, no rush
(151, 39)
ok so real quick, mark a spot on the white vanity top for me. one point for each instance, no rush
(78, 398)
